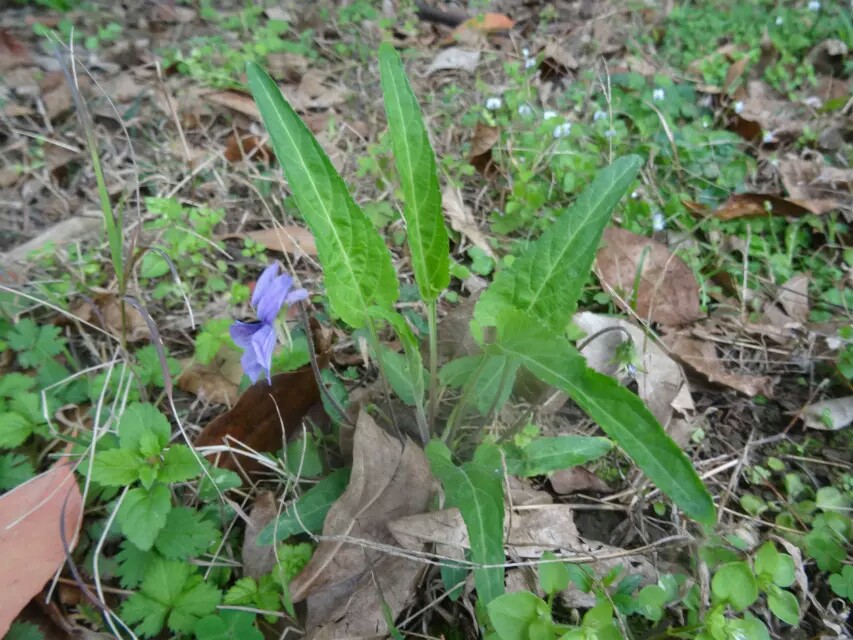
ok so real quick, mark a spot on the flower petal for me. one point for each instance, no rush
(242, 332)
(266, 278)
(273, 297)
(295, 295)
(263, 345)
(251, 366)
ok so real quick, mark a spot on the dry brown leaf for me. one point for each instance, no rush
(287, 67)
(478, 27)
(105, 309)
(485, 137)
(454, 59)
(750, 205)
(659, 378)
(829, 415)
(236, 101)
(217, 382)
(810, 180)
(258, 561)
(577, 480)
(314, 92)
(30, 542)
(701, 356)
(248, 146)
(462, 221)
(734, 73)
(13, 52)
(286, 239)
(794, 297)
(346, 583)
(557, 62)
(667, 291)
(69, 230)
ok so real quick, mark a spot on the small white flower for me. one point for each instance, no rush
(768, 138)
(562, 130)
(739, 107)
(658, 95)
(813, 101)
(599, 115)
(529, 63)
(814, 5)
(635, 194)
(631, 370)
(658, 221)
(609, 133)
(525, 110)
(493, 104)
(779, 21)
(704, 124)
(547, 115)
(525, 52)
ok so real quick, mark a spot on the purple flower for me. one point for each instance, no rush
(258, 339)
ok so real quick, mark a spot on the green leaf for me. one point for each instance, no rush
(147, 611)
(308, 512)
(244, 591)
(228, 625)
(777, 567)
(491, 375)
(553, 575)
(735, 584)
(477, 491)
(620, 413)
(16, 429)
(197, 601)
(34, 343)
(143, 513)
(408, 384)
(116, 467)
(186, 534)
(784, 605)
(138, 419)
(179, 464)
(825, 549)
(356, 262)
(23, 631)
(512, 614)
(14, 384)
(15, 469)
(415, 161)
(303, 457)
(748, 627)
(544, 455)
(132, 564)
(546, 281)
(652, 600)
(842, 583)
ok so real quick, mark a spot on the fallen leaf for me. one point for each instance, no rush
(750, 205)
(828, 57)
(30, 542)
(483, 24)
(13, 52)
(454, 59)
(577, 480)
(734, 73)
(794, 297)
(105, 311)
(659, 378)
(258, 560)
(236, 101)
(347, 584)
(250, 147)
(667, 291)
(69, 230)
(286, 239)
(314, 92)
(217, 382)
(485, 137)
(701, 356)
(829, 415)
(557, 62)
(462, 221)
(287, 67)
(810, 180)
(266, 414)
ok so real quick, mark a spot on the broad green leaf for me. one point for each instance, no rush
(747, 627)
(186, 534)
(553, 575)
(356, 262)
(546, 281)
(303, 457)
(477, 491)
(198, 600)
(132, 564)
(512, 614)
(735, 584)
(139, 419)
(415, 161)
(784, 605)
(309, 511)
(143, 513)
(228, 625)
(116, 467)
(16, 429)
(179, 464)
(492, 377)
(619, 413)
(15, 469)
(543, 455)
(408, 384)
(459, 371)
(777, 567)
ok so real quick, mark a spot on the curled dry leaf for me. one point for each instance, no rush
(217, 382)
(266, 414)
(30, 542)
(751, 205)
(659, 378)
(462, 221)
(104, 310)
(485, 137)
(810, 181)
(794, 297)
(257, 560)
(347, 583)
(286, 239)
(667, 291)
(454, 59)
(829, 415)
(577, 480)
(701, 356)
(250, 147)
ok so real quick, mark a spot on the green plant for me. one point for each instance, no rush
(519, 320)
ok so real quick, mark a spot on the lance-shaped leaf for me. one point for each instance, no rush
(546, 280)
(418, 178)
(620, 413)
(356, 262)
(476, 490)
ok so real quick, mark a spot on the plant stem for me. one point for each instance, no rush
(432, 308)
